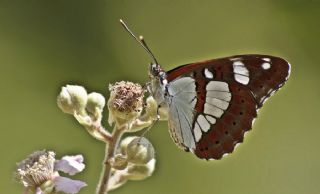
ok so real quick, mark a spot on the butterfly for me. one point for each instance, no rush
(211, 104)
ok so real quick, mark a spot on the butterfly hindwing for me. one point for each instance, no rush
(228, 92)
(229, 126)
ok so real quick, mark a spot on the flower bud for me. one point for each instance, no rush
(72, 99)
(95, 105)
(117, 179)
(125, 103)
(140, 172)
(124, 144)
(152, 106)
(140, 151)
(152, 109)
(119, 162)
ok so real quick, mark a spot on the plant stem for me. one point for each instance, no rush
(110, 151)
(26, 191)
(99, 132)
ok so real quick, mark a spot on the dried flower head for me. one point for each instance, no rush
(128, 96)
(125, 102)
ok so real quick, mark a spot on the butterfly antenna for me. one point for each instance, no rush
(140, 40)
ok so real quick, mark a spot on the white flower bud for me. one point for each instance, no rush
(95, 105)
(140, 151)
(72, 99)
(140, 172)
(125, 103)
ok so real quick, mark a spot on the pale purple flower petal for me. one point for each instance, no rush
(67, 185)
(70, 164)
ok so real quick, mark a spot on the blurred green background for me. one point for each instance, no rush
(47, 44)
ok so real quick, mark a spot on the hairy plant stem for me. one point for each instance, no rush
(99, 132)
(26, 191)
(110, 151)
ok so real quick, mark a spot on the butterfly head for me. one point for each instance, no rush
(154, 70)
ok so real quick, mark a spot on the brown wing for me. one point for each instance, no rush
(229, 92)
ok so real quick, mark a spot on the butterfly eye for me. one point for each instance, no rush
(154, 69)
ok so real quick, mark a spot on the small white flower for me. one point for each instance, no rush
(39, 173)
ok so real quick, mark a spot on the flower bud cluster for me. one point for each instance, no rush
(75, 100)
(135, 157)
(135, 161)
(86, 108)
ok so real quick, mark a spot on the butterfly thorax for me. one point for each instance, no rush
(158, 88)
(158, 84)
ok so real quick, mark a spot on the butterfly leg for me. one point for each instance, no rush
(158, 113)
(152, 124)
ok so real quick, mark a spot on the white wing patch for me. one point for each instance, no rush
(241, 73)
(217, 102)
(217, 86)
(266, 59)
(197, 132)
(203, 123)
(217, 99)
(208, 74)
(211, 119)
(212, 110)
(266, 66)
(226, 96)
(241, 79)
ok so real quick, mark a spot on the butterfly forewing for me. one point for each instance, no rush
(211, 120)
